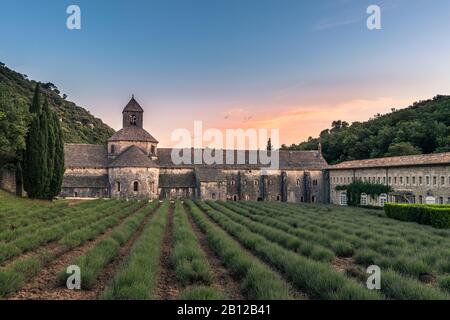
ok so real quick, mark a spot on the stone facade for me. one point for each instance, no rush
(132, 166)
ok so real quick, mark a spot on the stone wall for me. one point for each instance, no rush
(122, 182)
(213, 191)
(84, 192)
(8, 181)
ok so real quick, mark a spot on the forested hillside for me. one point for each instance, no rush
(423, 127)
(16, 92)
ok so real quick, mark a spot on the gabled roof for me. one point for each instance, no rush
(70, 181)
(133, 156)
(400, 161)
(307, 160)
(85, 156)
(133, 133)
(180, 180)
(133, 106)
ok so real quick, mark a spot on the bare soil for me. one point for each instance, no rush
(341, 264)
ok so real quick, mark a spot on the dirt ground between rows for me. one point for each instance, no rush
(46, 285)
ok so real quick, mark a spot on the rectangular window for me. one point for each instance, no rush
(407, 180)
(442, 181)
(441, 200)
(420, 181)
(414, 181)
(390, 180)
(420, 199)
(343, 199)
(448, 200)
(427, 179)
(434, 180)
(384, 180)
(401, 180)
(395, 180)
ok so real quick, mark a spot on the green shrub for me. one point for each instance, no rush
(201, 293)
(188, 259)
(257, 280)
(437, 216)
(444, 282)
(136, 278)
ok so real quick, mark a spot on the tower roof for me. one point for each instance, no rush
(133, 106)
(133, 157)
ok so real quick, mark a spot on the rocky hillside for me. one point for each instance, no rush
(79, 126)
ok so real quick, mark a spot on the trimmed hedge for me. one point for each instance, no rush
(437, 216)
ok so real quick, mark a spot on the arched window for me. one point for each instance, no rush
(118, 186)
(135, 186)
(235, 197)
(298, 182)
(278, 197)
(133, 120)
(213, 196)
(256, 182)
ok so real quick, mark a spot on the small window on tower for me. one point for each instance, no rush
(135, 186)
(153, 149)
(133, 120)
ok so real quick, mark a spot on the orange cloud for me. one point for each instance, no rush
(297, 123)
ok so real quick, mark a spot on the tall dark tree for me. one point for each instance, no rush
(58, 161)
(51, 149)
(32, 157)
(269, 145)
(45, 162)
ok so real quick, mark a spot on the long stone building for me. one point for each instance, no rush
(414, 179)
(132, 165)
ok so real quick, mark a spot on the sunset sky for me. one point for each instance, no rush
(288, 64)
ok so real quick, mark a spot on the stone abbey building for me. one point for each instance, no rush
(132, 166)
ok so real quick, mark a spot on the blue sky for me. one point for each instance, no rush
(290, 64)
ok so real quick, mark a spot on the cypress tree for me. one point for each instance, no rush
(44, 155)
(58, 164)
(51, 152)
(269, 145)
(32, 178)
(43, 159)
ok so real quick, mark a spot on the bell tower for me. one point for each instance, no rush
(133, 115)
